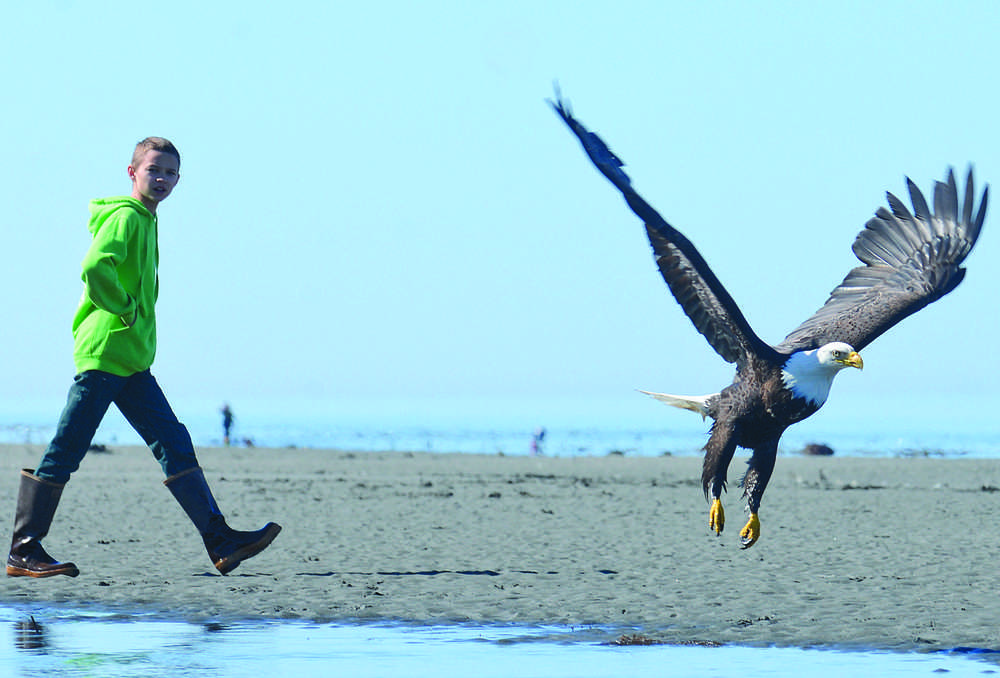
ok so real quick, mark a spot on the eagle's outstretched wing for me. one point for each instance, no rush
(910, 260)
(703, 298)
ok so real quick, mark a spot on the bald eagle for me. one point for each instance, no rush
(910, 259)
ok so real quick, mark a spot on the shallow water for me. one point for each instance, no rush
(63, 642)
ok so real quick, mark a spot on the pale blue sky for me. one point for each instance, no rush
(376, 201)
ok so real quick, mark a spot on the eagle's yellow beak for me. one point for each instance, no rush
(853, 359)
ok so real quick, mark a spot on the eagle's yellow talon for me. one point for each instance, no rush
(717, 517)
(751, 531)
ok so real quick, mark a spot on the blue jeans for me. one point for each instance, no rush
(140, 400)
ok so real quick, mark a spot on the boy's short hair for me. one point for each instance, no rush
(154, 144)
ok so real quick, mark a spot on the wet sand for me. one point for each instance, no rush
(855, 553)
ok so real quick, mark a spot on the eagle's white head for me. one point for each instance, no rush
(809, 374)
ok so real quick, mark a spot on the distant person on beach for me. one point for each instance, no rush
(537, 438)
(114, 342)
(227, 423)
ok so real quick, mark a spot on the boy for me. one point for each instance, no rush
(114, 341)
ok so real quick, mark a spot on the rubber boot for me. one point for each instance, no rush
(37, 500)
(226, 547)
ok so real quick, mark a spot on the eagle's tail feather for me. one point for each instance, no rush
(697, 404)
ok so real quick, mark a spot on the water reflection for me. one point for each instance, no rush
(29, 635)
(72, 643)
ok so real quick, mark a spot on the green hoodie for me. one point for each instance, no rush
(114, 329)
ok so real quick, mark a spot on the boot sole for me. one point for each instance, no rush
(230, 563)
(70, 571)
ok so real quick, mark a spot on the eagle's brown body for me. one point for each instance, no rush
(752, 412)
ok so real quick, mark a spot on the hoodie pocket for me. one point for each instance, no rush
(95, 331)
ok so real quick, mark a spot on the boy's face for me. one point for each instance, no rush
(154, 178)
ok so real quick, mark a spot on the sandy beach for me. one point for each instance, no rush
(855, 553)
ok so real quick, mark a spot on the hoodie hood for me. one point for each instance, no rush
(102, 208)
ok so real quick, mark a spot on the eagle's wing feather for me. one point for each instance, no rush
(703, 298)
(911, 259)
